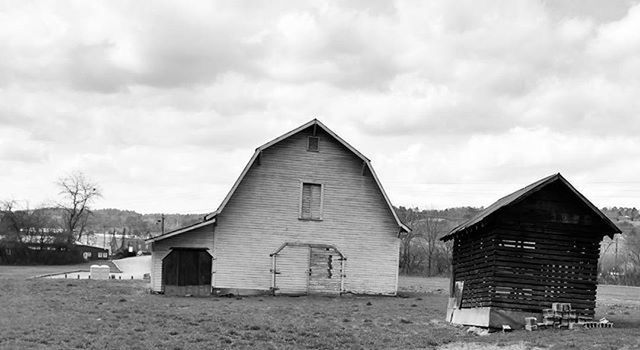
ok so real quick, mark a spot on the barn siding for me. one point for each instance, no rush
(199, 238)
(264, 213)
(555, 257)
(541, 250)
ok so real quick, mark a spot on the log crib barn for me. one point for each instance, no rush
(534, 247)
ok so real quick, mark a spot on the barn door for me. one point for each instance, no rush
(187, 272)
(293, 270)
(325, 268)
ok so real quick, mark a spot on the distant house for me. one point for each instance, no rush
(534, 247)
(93, 253)
(307, 215)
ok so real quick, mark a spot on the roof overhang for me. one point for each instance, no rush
(519, 195)
(182, 230)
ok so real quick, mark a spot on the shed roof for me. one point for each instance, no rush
(182, 230)
(523, 193)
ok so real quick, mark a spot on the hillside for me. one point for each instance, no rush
(141, 225)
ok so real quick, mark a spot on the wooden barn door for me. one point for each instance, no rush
(187, 272)
(293, 270)
(325, 271)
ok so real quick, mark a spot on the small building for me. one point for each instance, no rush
(93, 253)
(534, 247)
(307, 215)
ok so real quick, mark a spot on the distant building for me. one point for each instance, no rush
(93, 253)
(307, 215)
(534, 247)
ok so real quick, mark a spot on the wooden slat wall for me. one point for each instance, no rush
(545, 250)
(199, 238)
(549, 267)
(264, 213)
(473, 263)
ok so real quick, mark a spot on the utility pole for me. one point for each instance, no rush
(616, 258)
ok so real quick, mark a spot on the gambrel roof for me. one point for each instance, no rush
(210, 218)
(523, 193)
(312, 123)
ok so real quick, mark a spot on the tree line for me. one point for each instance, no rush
(49, 232)
(72, 217)
(422, 252)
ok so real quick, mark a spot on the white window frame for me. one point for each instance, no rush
(311, 182)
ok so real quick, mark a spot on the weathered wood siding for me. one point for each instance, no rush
(198, 238)
(264, 213)
(325, 271)
(534, 253)
(474, 263)
(547, 251)
(293, 270)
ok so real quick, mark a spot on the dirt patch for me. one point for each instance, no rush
(482, 346)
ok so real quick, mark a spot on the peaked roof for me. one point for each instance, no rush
(316, 123)
(523, 193)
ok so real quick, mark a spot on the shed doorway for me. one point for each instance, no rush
(187, 271)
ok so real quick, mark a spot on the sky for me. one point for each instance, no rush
(457, 103)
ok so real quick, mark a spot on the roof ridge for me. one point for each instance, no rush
(286, 135)
(519, 195)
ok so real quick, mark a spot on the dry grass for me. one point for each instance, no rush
(29, 271)
(43, 313)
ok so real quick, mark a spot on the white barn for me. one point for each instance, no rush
(307, 215)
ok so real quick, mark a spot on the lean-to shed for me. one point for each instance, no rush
(534, 247)
(307, 215)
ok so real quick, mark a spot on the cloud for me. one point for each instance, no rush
(167, 101)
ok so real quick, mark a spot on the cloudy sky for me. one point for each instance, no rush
(456, 103)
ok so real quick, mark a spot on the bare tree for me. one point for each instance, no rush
(632, 245)
(78, 192)
(407, 259)
(432, 228)
(25, 225)
(421, 249)
(11, 222)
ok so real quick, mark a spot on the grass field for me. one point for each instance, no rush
(44, 313)
(9, 271)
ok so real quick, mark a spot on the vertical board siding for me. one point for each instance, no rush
(264, 213)
(292, 265)
(198, 238)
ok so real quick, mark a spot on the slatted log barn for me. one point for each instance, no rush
(534, 247)
(308, 215)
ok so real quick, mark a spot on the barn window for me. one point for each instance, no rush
(312, 145)
(311, 201)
